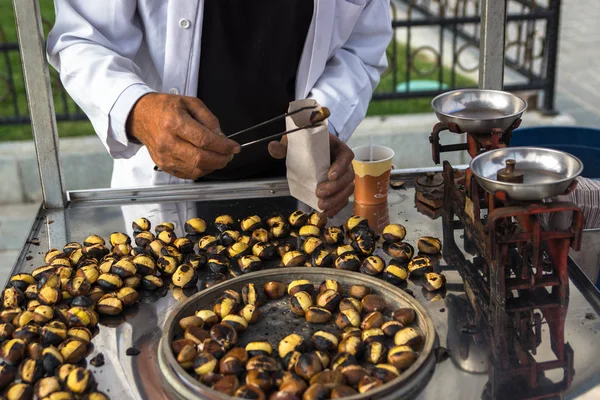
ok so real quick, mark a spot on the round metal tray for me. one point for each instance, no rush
(478, 110)
(277, 321)
(547, 172)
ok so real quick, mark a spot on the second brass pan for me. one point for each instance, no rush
(277, 321)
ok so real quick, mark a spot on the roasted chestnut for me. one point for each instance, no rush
(207, 241)
(373, 302)
(395, 274)
(333, 235)
(348, 261)
(185, 276)
(372, 265)
(225, 306)
(73, 350)
(209, 317)
(237, 322)
(350, 302)
(353, 373)
(275, 289)
(324, 341)
(359, 291)
(259, 349)
(254, 295)
(250, 313)
(343, 249)
(265, 251)
(280, 230)
(418, 266)
(373, 335)
(429, 245)
(260, 379)
(351, 345)
(297, 219)
(434, 281)
(364, 244)
(300, 285)
(399, 251)
(346, 318)
(227, 385)
(152, 283)
(407, 337)
(356, 221)
(390, 328)
(204, 363)
(368, 383)
(260, 235)
(22, 281)
(143, 239)
(19, 391)
(322, 257)
(31, 371)
(218, 263)
(224, 334)
(402, 357)
(308, 365)
(293, 258)
(54, 333)
(292, 342)
(329, 299)
(109, 305)
(249, 263)
(51, 359)
(375, 353)
(342, 391)
(300, 302)
(109, 282)
(309, 231)
(224, 222)
(405, 316)
(251, 223)
(140, 225)
(311, 244)
(373, 319)
(250, 392)
(394, 233)
(318, 315)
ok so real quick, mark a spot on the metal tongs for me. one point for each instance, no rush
(319, 115)
(316, 117)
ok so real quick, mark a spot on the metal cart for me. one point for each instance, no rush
(71, 216)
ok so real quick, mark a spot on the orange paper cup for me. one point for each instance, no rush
(372, 178)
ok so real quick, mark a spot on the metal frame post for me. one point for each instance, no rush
(39, 98)
(493, 37)
(551, 49)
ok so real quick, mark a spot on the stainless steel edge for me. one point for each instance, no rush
(587, 288)
(206, 191)
(493, 36)
(32, 234)
(184, 192)
(40, 100)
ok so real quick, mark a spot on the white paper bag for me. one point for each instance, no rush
(308, 157)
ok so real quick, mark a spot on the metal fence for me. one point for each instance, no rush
(451, 30)
(443, 34)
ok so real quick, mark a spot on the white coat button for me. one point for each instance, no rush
(173, 91)
(184, 23)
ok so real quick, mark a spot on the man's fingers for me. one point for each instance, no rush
(343, 158)
(201, 113)
(203, 138)
(333, 202)
(329, 188)
(277, 149)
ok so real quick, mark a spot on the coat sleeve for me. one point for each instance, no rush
(93, 45)
(352, 73)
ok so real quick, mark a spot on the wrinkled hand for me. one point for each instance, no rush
(333, 194)
(182, 136)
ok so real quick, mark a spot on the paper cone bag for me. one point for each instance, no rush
(307, 154)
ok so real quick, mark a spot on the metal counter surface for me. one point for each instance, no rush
(463, 375)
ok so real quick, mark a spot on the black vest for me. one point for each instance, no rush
(248, 65)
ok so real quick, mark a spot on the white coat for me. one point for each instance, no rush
(111, 52)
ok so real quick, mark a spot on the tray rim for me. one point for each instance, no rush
(422, 366)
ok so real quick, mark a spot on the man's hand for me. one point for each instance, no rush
(182, 136)
(333, 194)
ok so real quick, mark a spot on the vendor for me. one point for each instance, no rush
(163, 83)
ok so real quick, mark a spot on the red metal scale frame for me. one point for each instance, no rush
(518, 276)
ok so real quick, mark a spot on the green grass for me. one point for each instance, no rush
(411, 106)
(23, 131)
(83, 128)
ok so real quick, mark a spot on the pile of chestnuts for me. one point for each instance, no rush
(49, 317)
(361, 343)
